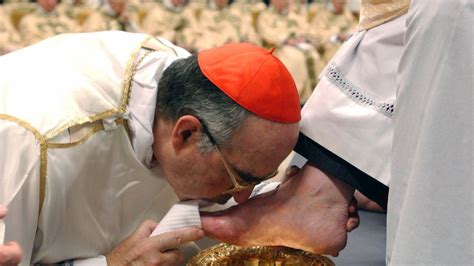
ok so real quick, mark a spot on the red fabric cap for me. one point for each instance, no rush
(254, 78)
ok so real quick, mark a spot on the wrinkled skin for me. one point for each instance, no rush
(309, 211)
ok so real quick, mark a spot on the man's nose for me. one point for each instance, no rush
(243, 195)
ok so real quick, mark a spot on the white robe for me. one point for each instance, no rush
(347, 113)
(350, 112)
(423, 151)
(63, 104)
(431, 202)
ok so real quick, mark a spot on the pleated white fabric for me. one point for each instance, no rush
(181, 215)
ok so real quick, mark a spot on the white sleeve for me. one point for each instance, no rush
(431, 202)
(19, 185)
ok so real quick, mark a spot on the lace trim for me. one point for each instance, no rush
(333, 73)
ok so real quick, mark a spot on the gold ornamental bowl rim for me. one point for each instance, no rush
(226, 254)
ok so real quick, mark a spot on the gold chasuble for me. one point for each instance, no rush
(69, 171)
(377, 12)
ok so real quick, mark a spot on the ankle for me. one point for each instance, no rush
(330, 187)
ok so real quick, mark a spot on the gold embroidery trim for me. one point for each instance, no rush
(78, 121)
(166, 47)
(25, 125)
(43, 172)
(377, 12)
(44, 145)
(130, 71)
(43, 154)
(94, 129)
(127, 83)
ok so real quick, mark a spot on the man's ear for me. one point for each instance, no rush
(184, 133)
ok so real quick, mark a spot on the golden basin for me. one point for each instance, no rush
(225, 254)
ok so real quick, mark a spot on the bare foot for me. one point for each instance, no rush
(308, 211)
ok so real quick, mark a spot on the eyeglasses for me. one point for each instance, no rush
(237, 186)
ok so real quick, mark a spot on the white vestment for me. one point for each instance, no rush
(350, 111)
(76, 115)
(431, 202)
(418, 139)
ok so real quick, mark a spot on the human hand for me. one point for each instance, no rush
(309, 211)
(10, 253)
(140, 249)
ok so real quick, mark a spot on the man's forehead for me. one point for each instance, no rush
(252, 166)
(259, 146)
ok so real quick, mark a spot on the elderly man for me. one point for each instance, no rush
(112, 128)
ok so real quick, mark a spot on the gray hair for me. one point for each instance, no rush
(184, 90)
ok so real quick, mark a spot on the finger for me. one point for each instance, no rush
(172, 257)
(145, 230)
(10, 253)
(3, 211)
(173, 239)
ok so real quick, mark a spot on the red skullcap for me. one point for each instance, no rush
(254, 78)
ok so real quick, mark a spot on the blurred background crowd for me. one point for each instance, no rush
(304, 34)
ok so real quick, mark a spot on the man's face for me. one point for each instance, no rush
(338, 5)
(256, 150)
(280, 5)
(177, 3)
(118, 6)
(221, 3)
(48, 5)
